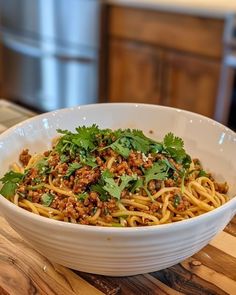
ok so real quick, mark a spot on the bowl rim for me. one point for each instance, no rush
(91, 228)
(117, 104)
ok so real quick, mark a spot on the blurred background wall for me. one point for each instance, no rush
(60, 53)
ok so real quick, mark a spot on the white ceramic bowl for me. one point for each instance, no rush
(123, 251)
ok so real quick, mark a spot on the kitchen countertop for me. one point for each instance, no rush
(23, 270)
(209, 8)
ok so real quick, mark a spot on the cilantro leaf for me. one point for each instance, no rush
(47, 199)
(137, 184)
(12, 176)
(177, 200)
(65, 132)
(126, 179)
(127, 140)
(119, 147)
(138, 140)
(64, 158)
(72, 168)
(159, 171)
(85, 139)
(202, 173)
(8, 189)
(114, 189)
(42, 166)
(186, 161)
(171, 141)
(82, 196)
(10, 182)
(86, 136)
(98, 188)
(156, 147)
(174, 146)
(107, 174)
(88, 160)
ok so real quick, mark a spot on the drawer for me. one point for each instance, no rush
(197, 35)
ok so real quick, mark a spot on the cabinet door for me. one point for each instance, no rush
(134, 72)
(190, 83)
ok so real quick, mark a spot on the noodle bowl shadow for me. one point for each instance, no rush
(123, 251)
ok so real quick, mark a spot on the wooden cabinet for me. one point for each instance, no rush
(163, 58)
(145, 74)
(190, 83)
(134, 72)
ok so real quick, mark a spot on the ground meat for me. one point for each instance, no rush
(54, 160)
(84, 177)
(154, 207)
(25, 157)
(221, 187)
(169, 182)
(121, 168)
(154, 186)
(183, 205)
(31, 177)
(46, 154)
(61, 168)
(135, 159)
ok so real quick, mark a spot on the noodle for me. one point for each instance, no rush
(115, 183)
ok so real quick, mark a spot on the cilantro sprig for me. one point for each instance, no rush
(47, 199)
(159, 171)
(116, 188)
(108, 186)
(72, 168)
(134, 139)
(10, 183)
(81, 148)
(86, 140)
(174, 147)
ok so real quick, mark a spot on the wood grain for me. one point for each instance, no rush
(218, 261)
(218, 279)
(192, 34)
(187, 282)
(190, 82)
(142, 73)
(24, 271)
(134, 72)
(231, 227)
(226, 243)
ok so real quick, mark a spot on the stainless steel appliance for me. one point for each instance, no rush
(50, 51)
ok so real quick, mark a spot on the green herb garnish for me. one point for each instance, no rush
(72, 168)
(47, 199)
(10, 182)
(115, 188)
(174, 146)
(159, 171)
(82, 196)
(202, 173)
(177, 200)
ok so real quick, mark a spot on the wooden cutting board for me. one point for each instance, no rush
(24, 271)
